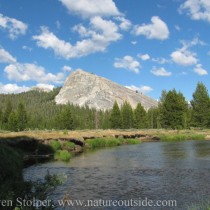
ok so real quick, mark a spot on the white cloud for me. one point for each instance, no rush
(141, 89)
(6, 57)
(13, 26)
(158, 29)
(127, 62)
(24, 47)
(125, 24)
(33, 72)
(134, 42)
(160, 72)
(184, 56)
(196, 9)
(45, 87)
(58, 24)
(66, 68)
(144, 57)
(200, 70)
(12, 88)
(91, 8)
(177, 28)
(97, 38)
(161, 60)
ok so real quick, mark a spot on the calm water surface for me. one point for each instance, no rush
(159, 171)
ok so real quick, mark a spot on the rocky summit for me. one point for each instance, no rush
(83, 88)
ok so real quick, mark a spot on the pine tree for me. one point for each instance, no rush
(21, 117)
(174, 110)
(1, 118)
(127, 115)
(65, 120)
(12, 122)
(140, 117)
(115, 118)
(7, 112)
(200, 106)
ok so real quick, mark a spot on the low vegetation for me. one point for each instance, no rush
(109, 142)
(63, 155)
(181, 137)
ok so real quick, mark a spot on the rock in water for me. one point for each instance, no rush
(83, 88)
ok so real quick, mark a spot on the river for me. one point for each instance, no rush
(155, 171)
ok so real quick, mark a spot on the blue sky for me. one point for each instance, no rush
(145, 45)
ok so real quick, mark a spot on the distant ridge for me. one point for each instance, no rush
(83, 88)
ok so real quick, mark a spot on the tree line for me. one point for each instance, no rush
(37, 110)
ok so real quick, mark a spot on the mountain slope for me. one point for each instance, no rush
(83, 88)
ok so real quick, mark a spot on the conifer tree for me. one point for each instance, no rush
(7, 112)
(115, 118)
(12, 123)
(65, 119)
(140, 117)
(200, 106)
(127, 115)
(174, 110)
(21, 117)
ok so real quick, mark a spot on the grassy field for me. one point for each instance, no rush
(81, 134)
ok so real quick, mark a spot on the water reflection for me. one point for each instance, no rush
(158, 171)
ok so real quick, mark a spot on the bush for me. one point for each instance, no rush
(56, 145)
(68, 146)
(63, 155)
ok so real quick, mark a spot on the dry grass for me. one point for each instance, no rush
(79, 134)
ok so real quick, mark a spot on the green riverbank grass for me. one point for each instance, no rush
(63, 155)
(109, 142)
(181, 137)
(56, 145)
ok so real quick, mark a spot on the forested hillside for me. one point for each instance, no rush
(37, 110)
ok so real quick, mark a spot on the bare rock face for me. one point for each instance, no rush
(83, 88)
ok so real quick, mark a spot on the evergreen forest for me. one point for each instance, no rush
(36, 110)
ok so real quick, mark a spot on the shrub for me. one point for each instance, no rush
(56, 145)
(63, 155)
(68, 145)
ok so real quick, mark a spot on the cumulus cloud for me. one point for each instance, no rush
(6, 57)
(184, 56)
(141, 89)
(45, 87)
(160, 72)
(125, 24)
(91, 8)
(96, 39)
(158, 29)
(66, 68)
(127, 62)
(13, 26)
(196, 9)
(200, 70)
(12, 88)
(144, 57)
(31, 72)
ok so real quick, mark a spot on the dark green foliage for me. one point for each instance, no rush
(127, 116)
(56, 145)
(7, 112)
(64, 120)
(12, 123)
(21, 117)
(140, 117)
(153, 118)
(115, 118)
(174, 110)
(200, 107)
